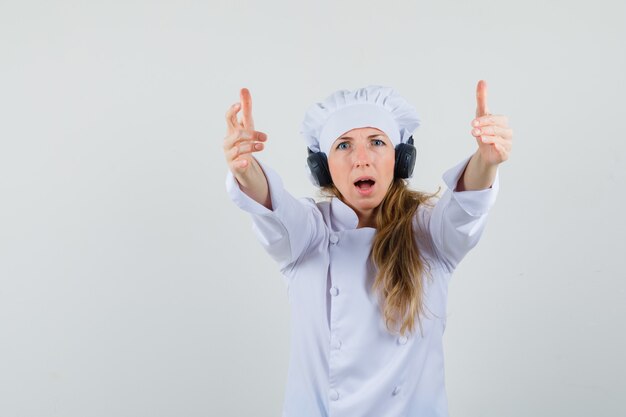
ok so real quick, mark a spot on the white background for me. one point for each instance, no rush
(131, 286)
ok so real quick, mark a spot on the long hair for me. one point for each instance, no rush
(400, 266)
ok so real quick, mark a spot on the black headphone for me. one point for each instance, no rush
(406, 154)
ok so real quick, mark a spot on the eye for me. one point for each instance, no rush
(343, 145)
(378, 142)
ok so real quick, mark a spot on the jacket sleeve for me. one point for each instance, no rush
(458, 218)
(286, 231)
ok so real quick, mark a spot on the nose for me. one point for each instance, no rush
(362, 156)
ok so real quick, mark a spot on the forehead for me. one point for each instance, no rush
(362, 132)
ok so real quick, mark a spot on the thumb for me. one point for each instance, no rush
(481, 99)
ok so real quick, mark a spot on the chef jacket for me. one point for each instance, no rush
(343, 361)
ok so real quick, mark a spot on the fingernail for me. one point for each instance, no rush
(476, 122)
(483, 139)
(476, 131)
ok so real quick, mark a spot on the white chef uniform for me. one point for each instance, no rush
(344, 362)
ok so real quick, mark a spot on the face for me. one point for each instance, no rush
(361, 164)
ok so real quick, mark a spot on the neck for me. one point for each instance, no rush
(367, 219)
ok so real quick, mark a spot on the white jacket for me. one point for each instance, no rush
(344, 362)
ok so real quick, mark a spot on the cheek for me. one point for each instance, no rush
(337, 170)
(388, 167)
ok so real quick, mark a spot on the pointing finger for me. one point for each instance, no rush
(481, 99)
(246, 103)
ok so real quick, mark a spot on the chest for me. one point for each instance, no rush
(335, 283)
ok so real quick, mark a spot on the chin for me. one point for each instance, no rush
(365, 204)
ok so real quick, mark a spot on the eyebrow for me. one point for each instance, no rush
(369, 137)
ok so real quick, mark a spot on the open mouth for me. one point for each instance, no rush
(364, 185)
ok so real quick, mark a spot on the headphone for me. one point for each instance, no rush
(406, 154)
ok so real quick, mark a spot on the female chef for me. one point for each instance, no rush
(362, 268)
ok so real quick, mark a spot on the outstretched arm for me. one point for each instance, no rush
(494, 138)
(285, 226)
(240, 141)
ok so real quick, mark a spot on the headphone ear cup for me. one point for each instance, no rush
(406, 154)
(318, 164)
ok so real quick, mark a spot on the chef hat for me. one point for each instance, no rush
(372, 106)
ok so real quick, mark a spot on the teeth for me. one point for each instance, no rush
(364, 184)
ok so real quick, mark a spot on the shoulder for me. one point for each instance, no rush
(318, 210)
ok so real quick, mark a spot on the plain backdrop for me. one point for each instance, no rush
(131, 286)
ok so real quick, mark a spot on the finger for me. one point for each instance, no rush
(238, 165)
(234, 119)
(236, 136)
(493, 130)
(496, 146)
(481, 99)
(246, 104)
(489, 139)
(240, 135)
(231, 117)
(492, 119)
(244, 149)
(496, 140)
(505, 133)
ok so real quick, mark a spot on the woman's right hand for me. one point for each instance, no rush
(240, 141)
(241, 138)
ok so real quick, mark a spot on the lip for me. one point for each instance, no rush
(363, 178)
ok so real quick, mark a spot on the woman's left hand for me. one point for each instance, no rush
(492, 132)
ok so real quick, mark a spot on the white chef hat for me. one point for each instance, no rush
(372, 106)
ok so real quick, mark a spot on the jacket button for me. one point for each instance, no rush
(334, 290)
(402, 340)
(396, 390)
(336, 344)
(334, 395)
(334, 239)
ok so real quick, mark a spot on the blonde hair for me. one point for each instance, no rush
(401, 267)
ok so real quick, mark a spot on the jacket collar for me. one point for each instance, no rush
(342, 215)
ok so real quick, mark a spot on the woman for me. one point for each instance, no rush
(367, 268)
